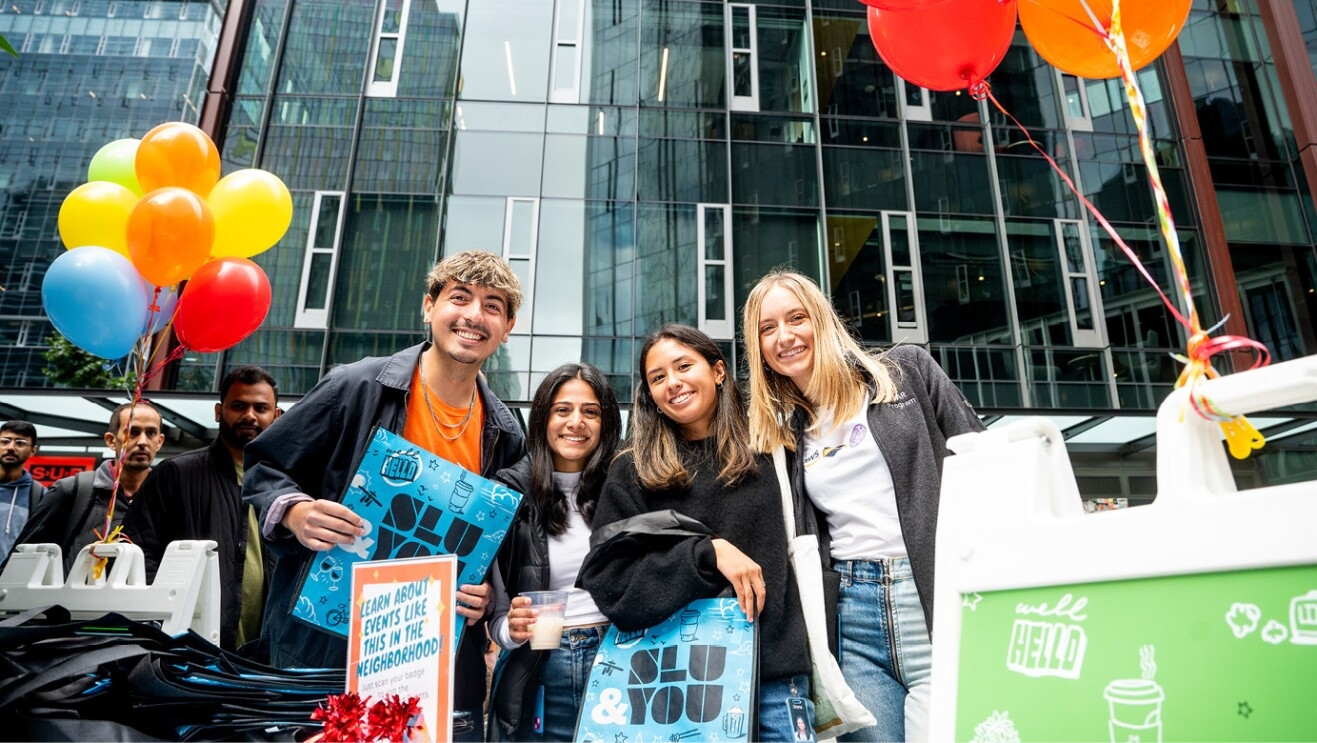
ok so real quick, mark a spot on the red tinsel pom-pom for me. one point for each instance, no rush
(390, 717)
(342, 715)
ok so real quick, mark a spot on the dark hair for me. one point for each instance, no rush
(653, 440)
(247, 375)
(552, 503)
(116, 415)
(21, 428)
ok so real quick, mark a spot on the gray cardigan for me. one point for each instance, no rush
(912, 432)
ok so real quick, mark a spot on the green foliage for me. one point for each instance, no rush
(70, 366)
(6, 46)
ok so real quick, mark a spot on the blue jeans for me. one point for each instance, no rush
(563, 676)
(775, 720)
(885, 652)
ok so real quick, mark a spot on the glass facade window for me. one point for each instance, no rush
(87, 73)
(1265, 205)
(646, 161)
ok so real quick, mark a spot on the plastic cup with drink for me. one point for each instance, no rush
(546, 633)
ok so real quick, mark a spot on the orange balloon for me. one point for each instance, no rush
(169, 235)
(177, 154)
(1064, 34)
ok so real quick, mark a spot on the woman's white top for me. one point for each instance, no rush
(847, 478)
(566, 553)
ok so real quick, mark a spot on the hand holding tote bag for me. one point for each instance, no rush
(836, 710)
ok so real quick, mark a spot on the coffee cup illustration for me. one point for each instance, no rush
(462, 491)
(1136, 710)
(690, 623)
(734, 722)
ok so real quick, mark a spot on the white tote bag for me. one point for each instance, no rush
(836, 710)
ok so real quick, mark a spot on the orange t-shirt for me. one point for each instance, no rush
(422, 430)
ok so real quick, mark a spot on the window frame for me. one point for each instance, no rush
(915, 331)
(318, 318)
(1083, 337)
(742, 102)
(1084, 122)
(718, 329)
(387, 88)
(572, 94)
(908, 111)
(506, 251)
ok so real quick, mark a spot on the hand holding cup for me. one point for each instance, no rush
(521, 618)
(546, 609)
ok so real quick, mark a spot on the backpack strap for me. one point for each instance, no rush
(84, 493)
(34, 493)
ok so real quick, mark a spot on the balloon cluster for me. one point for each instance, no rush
(954, 44)
(155, 213)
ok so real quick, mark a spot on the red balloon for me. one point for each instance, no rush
(901, 4)
(947, 45)
(226, 300)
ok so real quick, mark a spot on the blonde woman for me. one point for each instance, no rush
(868, 434)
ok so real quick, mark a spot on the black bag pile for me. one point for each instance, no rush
(114, 679)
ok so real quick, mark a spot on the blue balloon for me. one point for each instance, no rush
(95, 298)
(167, 301)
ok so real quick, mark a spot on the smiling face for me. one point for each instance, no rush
(684, 386)
(786, 336)
(575, 419)
(467, 322)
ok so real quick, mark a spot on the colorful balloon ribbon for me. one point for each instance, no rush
(1241, 436)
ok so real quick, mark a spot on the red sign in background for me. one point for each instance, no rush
(48, 469)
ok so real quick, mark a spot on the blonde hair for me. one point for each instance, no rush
(842, 370)
(477, 268)
(653, 438)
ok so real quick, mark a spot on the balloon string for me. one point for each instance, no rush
(1241, 435)
(1201, 348)
(986, 91)
(109, 533)
(1115, 39)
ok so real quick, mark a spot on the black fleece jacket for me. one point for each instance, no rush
(653, 584)
(195, 495)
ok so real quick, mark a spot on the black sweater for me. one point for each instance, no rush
(643, 591)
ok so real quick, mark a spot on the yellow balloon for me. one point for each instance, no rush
(96, 213)
(252, 210)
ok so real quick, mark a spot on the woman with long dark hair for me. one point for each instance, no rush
(574, 428)
(689, 452)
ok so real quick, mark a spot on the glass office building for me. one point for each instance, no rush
(88, 72)
(645, 161)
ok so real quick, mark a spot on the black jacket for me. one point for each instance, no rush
(523, 561)
(195, 495)
(911, 432)
(638, 581)
(66, 514)
(315, 448)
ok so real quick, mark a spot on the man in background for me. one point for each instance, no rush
(19, 493)
(198, 495)
(73, 511)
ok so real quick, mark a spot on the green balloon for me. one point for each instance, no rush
(116, 162)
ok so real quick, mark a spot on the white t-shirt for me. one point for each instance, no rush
(566, 553)
(847, 478)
